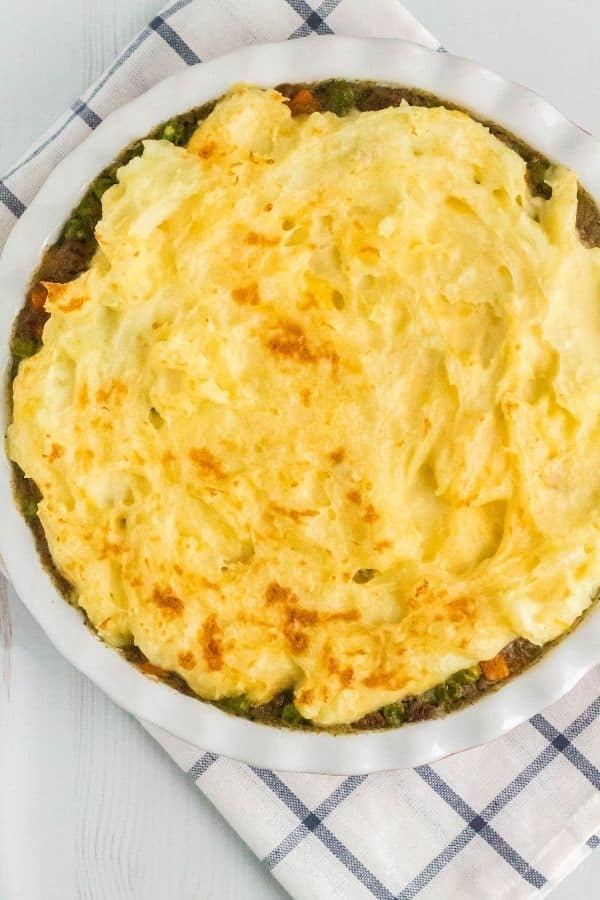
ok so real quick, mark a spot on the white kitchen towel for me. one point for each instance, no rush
(507, 820)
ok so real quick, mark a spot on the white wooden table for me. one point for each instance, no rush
(90, 807)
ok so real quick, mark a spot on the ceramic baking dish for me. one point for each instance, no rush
(489, 97)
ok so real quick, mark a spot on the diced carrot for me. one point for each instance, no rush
(495, 669)
(148, 669)
(303, 102)
(37, 295)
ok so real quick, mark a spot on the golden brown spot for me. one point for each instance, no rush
(385, 679)
(370, 515)
(208, 584)
(260, 240)
(295, 618)
(268, 207)
(56, 289)
(461, 608)
(115, 389)
(382, 545)
(207, 149)
(377, 680)
(211, 644)
(187, 660)
(351, 615)
(305, 397)
(247, 296)
(111, 549)
(347, 676)
(296, 514)
(168, 457)
(290, 340)
(309, 303)
(337, 456)
(178, 569)
(167, 600)
(297, 641)
(207, 464)
(56, 451)
(333, 665)
(426, 426)
(82, 396)
(303, 616)
(72, 305)
(354, 496)
(276, 593)
(306, 696)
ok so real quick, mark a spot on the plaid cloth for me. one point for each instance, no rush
(507, 820)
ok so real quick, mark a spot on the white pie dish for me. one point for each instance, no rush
(489, 97)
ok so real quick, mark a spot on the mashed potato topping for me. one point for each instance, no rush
(323, 413)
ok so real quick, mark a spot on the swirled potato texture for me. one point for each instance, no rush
(307, 347)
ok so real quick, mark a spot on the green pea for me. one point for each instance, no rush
(337, 299)
(135, 150)
(237, 706)
(361, 576)
(22, 347)
(174, 132)
(89, 209)
(30, 508)
(394, 714)
(77, 229)
(101, 185)
(468, 676)
(340, 97)
(454, 689)
(441, 694)
(537, 169)
(290, 715)
(448, 691)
